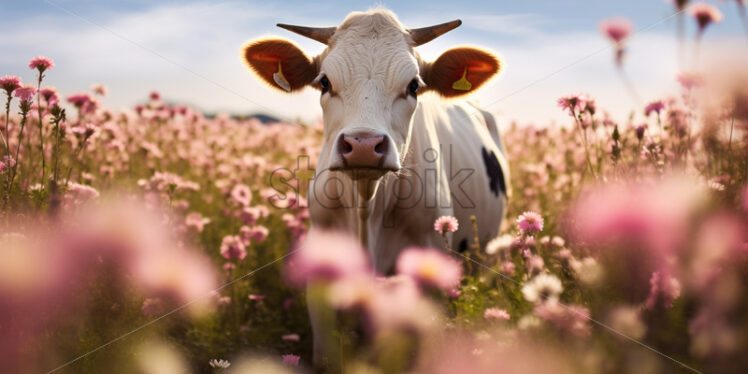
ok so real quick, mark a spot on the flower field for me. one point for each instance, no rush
(161, 240)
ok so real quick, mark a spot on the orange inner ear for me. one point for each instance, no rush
(452, 64)
(263, 57)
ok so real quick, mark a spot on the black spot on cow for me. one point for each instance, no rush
(463, 245)
(493, 170)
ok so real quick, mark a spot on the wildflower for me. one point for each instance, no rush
(640, 130)
(326, 256)
(232, 248)
(41, 63)
(291, 337)
(498, 244)
(99, 89)
(155, 96)
(255, 297)
(655, 106)
(663, 288)
(535, 264)
(50, 95)
(573, 103)
(430, 267)
(530, 223)
(508, 268)
(543, 287)
(80, 193)
(446, 224)
(496, 313)
(241, 194)
(291, 360)
(705, 14)
(10, 83)
(679, 4)
(78, 100)
(196, 221)
(616, 29)
(573, 319)
(690, 80)
(25, 92)
(7, 163)
(219, 363)
(628, 321)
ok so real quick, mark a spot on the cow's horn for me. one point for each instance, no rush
(424, 35)
(320, 34)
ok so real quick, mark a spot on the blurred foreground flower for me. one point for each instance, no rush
(430, 267)
(326, 256)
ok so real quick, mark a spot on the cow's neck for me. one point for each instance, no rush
(366, 189)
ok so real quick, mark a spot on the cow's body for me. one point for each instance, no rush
(449, 161)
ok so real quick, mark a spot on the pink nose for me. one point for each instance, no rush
(363, 150)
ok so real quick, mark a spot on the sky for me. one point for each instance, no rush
(189, 50)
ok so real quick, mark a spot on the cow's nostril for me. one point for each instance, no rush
(381, 148)
(343, 146)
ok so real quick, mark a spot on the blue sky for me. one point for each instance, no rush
(188, 50)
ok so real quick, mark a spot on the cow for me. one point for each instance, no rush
(397, 151)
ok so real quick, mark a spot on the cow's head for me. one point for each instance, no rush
(369, 77)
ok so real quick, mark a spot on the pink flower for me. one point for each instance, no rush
(50, 95)
(255, 297)
(530, 223)
(7, 163)
(99, 89)
(705, 14)
(496, 313)
(232, 248)
(291, 337)
(655, 106)
(9, 83)
(679, 4)
(616, 29)
(325, 256)
(446, 223)
(25, 92)
(241, 194)
(573, 103)
(155, 96)
(573, 318)
(41, 63)
(291, 360)
(258, 233)
(689, 79)
(508, 268)
(430, 267)
(654, 215)
(196, 221)
(79, 100)
(663, 289)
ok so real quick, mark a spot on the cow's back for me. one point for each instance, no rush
(475, 164)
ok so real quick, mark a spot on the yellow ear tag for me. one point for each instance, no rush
(462, 84)
(280, 80)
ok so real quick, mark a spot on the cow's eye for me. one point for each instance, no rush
(324, 84)
(413, 88)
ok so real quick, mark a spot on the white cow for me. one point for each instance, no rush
(395, 155)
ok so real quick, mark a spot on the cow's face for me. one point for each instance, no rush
(369, 79)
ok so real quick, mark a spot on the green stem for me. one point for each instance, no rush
(7, 149)
(18, 147)
(41, 128)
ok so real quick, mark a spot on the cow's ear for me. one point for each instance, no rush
(280, 63)
(460, 71)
